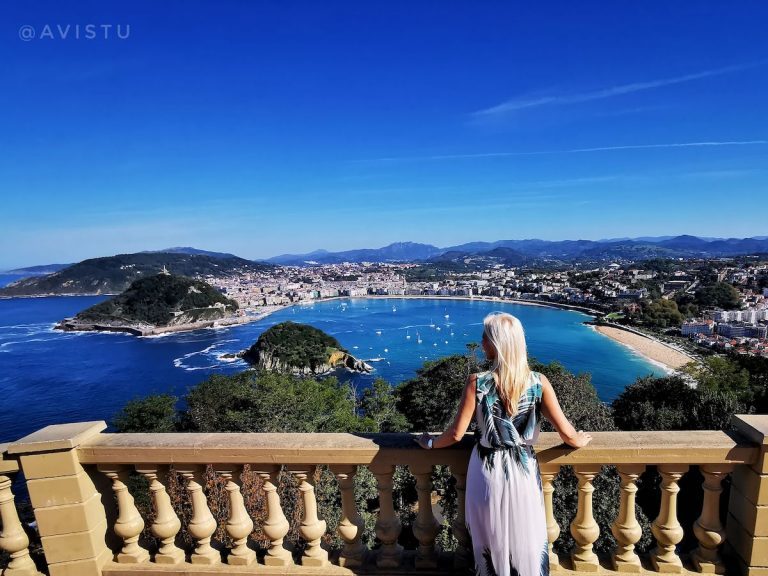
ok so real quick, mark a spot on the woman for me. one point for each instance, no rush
(504, 500)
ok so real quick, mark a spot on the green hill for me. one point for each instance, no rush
(160, 300)
(301, 349)
(114, 274)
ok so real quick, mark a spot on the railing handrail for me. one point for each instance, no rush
(685, 447)
(8, 464)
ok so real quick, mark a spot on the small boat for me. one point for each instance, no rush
(437, 328)
(446, 341)
(378, 332)
(447, 316)
(434, 343)
(386, 349)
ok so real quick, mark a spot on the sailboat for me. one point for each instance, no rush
(394, 309)
(418, 338)
(431, 324)
(407, 335)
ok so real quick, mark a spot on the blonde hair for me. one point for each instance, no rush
(510, 363)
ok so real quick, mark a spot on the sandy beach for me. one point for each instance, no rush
(648, 347)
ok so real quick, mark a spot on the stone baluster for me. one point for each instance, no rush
(708, 529)
(584, 529)
(625, 528)
(312, 528)
(239, 524)
(352, 524)
(388, 524)
(426, 527)
(276, 525)
(13, 539)
(203, 524)
(548, 473)
(666, 529)
(461, 556)
(129, 524)
(166, 523)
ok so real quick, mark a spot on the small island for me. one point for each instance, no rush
(156, 305)
(302, 350)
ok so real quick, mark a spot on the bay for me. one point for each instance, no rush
(49, 377)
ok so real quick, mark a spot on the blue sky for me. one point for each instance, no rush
(268, 127)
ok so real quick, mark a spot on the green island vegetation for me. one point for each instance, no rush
(263, 401)
(295, 345)
(158, 300)
(292, 347)
(113, 274)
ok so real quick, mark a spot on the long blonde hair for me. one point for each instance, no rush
(510, 363)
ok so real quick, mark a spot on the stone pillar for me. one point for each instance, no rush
(461, 556)
(70, 516)
(626, 529)
(666, 528)
(584, 529)
(276, 526)
(13, 539)
(747, 525)
(203, 524)
(351, 525)
(388, 524)
(166, 524)
(239, 524)
(312, 528)
(129, 524)
(548, 473)
(708, 529)
(425, 527)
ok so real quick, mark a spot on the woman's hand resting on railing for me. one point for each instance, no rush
(578, 440)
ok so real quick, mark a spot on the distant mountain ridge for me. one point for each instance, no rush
(114, 274)
(516, 252)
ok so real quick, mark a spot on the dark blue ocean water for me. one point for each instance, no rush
(50, 377)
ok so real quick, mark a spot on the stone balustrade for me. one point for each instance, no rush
(89, 524)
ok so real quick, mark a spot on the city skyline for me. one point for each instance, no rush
(262, 129)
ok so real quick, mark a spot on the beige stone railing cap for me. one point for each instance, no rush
(753, 426)
(7, 465)
(57, 437)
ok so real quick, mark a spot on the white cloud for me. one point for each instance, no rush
(523, 103)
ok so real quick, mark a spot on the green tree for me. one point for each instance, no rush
(660, 313)
(156, 413)
(718, 295)
(429, 400)
(670, 403)
(255, 401)
(720, 373)
(378, 406)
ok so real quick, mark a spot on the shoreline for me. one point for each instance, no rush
(656, 351)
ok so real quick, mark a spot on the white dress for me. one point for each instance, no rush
(504, 500)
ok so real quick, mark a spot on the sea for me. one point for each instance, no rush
(48, 376)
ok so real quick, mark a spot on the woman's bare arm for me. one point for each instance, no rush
(550, 407)
(461, 420)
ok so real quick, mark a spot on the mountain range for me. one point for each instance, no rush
(517, 252)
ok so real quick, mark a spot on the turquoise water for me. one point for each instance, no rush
(50, 377)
